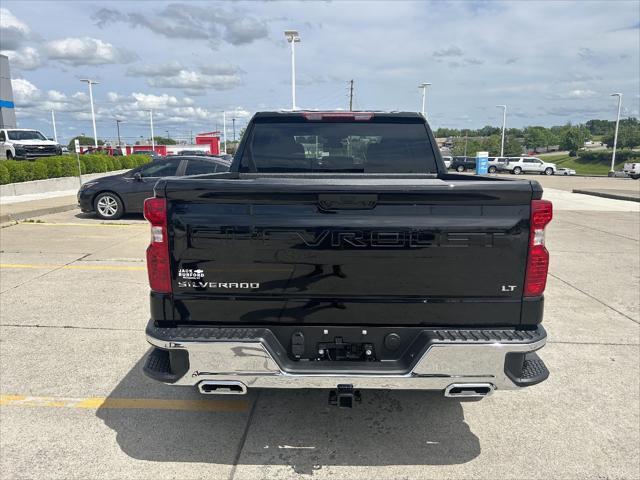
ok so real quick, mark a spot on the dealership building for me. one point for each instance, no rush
(7, 107)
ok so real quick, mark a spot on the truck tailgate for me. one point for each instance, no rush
(348, 251)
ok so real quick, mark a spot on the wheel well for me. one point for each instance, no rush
(93, 200)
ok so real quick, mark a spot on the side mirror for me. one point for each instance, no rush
(137, 177)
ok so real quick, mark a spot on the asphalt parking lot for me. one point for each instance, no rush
(75, 404)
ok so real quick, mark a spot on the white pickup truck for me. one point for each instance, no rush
(632, 169)
(19, 143)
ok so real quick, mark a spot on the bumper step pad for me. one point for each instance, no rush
(526, 369)
(166, 365)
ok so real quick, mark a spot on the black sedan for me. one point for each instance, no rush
(110, 197)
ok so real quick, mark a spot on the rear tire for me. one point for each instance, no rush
(108, 206)
(517, 171)
(492, 169)
(460, 168)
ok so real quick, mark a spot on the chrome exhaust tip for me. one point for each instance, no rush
(469, 390)
(221, 387)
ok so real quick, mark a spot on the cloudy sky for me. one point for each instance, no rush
(551, 62)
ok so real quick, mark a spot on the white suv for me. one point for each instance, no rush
(519, 165)
(20, 143)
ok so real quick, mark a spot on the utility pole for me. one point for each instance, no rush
(293, 37)
(93, 113)
(615, 135)
(233, 121)
(351, 95)
(53, 121)
(466, 141)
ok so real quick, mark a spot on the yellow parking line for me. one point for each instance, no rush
(73, 267)
(71, 224)
(94, 403)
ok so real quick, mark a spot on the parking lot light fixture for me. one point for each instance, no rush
(224, 131)
(118, 122)
(504, 125)
(53, 121)
(293, 37)
(90, 82)
(615, 135)
(424, 86)
(153, 142)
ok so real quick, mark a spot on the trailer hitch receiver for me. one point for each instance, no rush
(344, 396)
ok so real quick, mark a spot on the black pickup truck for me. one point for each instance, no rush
(338, 253)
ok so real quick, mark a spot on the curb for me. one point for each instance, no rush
(51, 184)
(614, 196)
(36, 212)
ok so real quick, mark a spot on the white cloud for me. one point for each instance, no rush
(31, 100)
(86, 51)
(26, 58)
(25, 93)
(174, 75)
(13, 31)
(56, 96)
(189, 79)
(148, 101)
(578, 93)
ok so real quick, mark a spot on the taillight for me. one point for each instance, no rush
(538, 258)
(158, 265)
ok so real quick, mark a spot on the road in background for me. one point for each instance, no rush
(75, 404)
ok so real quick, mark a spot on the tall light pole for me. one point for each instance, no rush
(53, 121)
(153, 142)
(504, 125)
(424, 86)
(233, 120)
(293, 37)
(118, 122)
(224, 131)
(615, 135)
(93, 113)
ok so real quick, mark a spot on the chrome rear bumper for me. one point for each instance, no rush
(450, 358)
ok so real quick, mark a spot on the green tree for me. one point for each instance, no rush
(470, 145)
(573, 138)
(536, 137)
(492, 145)
(164, 141)
(446, 133)
(628, 136)
(488, 130)
(599, 127)
(84, 140)
(512, 146)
